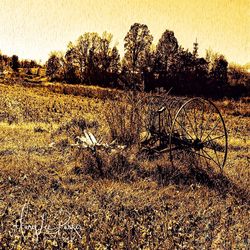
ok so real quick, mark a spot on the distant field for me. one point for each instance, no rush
(60, 191)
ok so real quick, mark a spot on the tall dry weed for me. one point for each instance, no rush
(131, 115)
(125, 118)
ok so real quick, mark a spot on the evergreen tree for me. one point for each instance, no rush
(195, 48)
(15, 63)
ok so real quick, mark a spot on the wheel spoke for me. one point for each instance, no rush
(217, 156)
(215, 151)
(198, 154)
(189, 120)
(208, 119)
(195, 123)
(184, 130)
(207, 163)
(212, 139)
(202, 118)
(211, 158)
(217, 123)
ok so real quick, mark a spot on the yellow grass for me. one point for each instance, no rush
(129, 206)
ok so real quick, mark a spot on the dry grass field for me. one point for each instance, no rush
(62, 197)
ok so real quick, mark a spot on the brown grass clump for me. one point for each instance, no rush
(124, 118)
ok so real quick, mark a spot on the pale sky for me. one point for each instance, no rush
(33, 28)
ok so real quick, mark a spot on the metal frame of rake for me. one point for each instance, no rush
(185, 128)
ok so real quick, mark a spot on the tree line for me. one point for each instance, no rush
(93, 59)
(13, 63)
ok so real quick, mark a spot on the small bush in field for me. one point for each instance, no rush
(124, 118)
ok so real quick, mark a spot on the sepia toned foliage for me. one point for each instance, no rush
(53, 67)
(94, 59)
(166, 51)
(137, 44)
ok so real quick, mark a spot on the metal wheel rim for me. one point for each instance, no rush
(201, 100)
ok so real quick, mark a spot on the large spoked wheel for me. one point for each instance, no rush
(198, 135)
